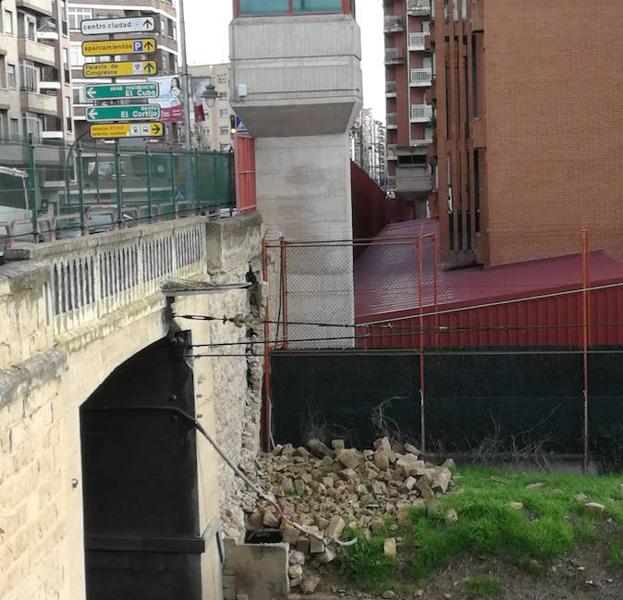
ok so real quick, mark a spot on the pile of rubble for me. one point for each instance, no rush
(325, 489)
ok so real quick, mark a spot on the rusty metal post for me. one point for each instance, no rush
(420, 267)
(585, 337)
(436, 286)
(266, 412)
(284, 288)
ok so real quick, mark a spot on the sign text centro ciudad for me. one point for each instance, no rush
(123, 25)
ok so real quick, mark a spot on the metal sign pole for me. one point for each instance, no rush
(185, 77)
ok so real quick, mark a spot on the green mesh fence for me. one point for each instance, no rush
(65, 189)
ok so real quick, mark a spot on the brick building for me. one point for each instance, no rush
(526, 101)
(409, 75)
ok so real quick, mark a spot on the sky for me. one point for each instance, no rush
(208, 42)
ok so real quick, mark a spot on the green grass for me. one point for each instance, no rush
(481, 587)
(552, 523)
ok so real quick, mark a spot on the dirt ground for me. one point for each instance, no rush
(583, 575)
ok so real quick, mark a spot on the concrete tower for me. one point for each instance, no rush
(296, 84)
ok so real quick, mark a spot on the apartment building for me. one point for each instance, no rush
(211, 118)
(528, 115)
(166, 33)
(409, 67)
(368, 146)
(35, 82)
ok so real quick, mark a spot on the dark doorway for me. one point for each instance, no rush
(139, 466)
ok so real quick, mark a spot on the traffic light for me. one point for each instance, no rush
(232, 124)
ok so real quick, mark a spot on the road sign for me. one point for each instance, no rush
(240, 127)
(110, 26)
(121, 91)
(120, 69)
(112, 47)
(138, 112)
(127, 130)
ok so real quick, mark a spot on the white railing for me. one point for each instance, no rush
(419, 7)
(94, 276)
(421, 77)
(390, 88)
(394, 23)
(393, 55)
(417, 41)
(392, 120)
(421, 113)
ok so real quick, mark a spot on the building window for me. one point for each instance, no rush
(171, 29)
(3, 123)
(317, 6)
(258, 7)
(29, 76)
(77, 15)
(2, 72)
(33, 124)
(224, 131)
(77, 93)
(14, 129)
(223, 113)
(284, 7)
(222, 79)
(11, 74)
(8, 22)
(68, 117)
(75, 57)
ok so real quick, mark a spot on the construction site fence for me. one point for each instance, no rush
(318, 295)
(51, 191)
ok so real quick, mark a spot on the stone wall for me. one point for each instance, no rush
(44, 378)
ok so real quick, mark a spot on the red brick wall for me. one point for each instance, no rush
(554, 127)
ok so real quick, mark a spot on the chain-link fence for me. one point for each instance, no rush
(51, 191)
(514, 359)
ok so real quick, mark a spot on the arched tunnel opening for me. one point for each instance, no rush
(139, 470)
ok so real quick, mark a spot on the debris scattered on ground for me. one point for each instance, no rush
(327, 490)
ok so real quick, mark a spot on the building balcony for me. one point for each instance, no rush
(392, 121)
(421, 143)
(36, 51)
(419, 8)
(421, 77)
(391, 152)
(43, 7)
(417, 41)
(393, 24)
(390, 89)
(421, 113)
(394, 56)
(414, 178)
(5, 97)
(39, 103)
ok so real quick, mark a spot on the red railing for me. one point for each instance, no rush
(244, 155)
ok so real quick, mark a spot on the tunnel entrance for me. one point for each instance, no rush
(139, 469)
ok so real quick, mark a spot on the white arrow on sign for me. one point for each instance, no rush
(90, 93)
(91, 113)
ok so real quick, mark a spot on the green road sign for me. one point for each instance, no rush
(121, 91)
(139, 112)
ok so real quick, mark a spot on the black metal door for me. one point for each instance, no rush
(141, 514)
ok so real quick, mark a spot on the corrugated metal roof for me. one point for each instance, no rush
(386, 276)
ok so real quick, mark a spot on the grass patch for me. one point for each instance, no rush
(365, 564)
(482, 587)
(551, 523)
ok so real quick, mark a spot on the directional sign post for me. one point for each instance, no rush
(127, 130)
(119, 69)
(114, 47)
(122, 91)
(112, 26)
(139, 112)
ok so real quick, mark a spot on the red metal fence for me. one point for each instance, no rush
(244, 152)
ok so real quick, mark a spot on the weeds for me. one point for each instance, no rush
(482, 587)
(549, 523)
